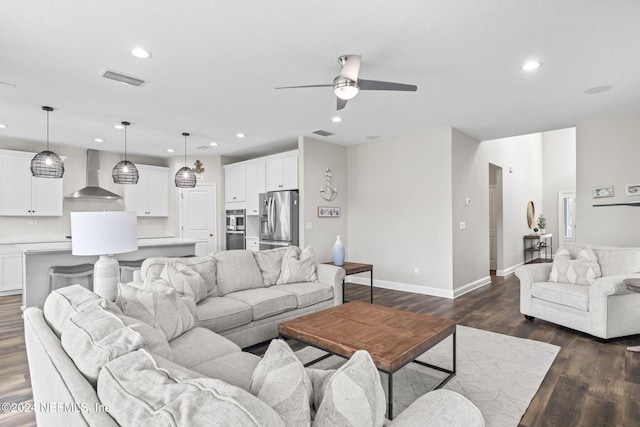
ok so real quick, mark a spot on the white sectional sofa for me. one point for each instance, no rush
(600, 305)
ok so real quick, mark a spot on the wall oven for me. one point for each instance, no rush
(235, 229)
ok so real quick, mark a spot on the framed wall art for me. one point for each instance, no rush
(328, 212)
(601, 191)
(632, 189)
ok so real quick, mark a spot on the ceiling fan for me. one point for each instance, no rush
(347, 84)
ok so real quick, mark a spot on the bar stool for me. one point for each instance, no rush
(70, 272)
(127, 268)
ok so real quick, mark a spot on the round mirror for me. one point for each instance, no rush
(531, 214)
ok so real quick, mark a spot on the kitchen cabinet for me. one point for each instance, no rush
(10, 271)
(282, 173)
(252, 243)
(21, 194)
(150, 196)
(255, 184)
(234, 184)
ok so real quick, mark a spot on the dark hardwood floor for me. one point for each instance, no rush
(589, 384)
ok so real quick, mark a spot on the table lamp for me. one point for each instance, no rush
(104, 234)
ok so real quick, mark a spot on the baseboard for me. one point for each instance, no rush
(405, 287)
(471, 286)
(509, 270)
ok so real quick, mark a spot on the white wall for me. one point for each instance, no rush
(315, 157)
(400, 211)
(558, 174)
(607, 152)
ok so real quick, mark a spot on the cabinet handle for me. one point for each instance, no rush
(280, 185)
(234, 198)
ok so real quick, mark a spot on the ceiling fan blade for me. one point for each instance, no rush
(341, 103)
(378, 85)
(350, 66)
(297, 87)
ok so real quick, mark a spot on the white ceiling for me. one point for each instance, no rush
(215, 65)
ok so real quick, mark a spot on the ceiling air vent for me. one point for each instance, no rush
(322, 132)
(122, 78)
(203, 147)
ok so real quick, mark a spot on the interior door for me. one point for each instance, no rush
(198, 217)
(567, 214)
(493, 243)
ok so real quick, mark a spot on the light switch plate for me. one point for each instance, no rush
(463, 225)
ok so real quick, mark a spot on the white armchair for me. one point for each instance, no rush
(605, 309)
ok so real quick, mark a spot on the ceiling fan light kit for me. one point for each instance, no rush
(185, 177)
(125, 172)
(47, 164)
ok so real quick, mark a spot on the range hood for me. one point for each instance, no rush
(93, 189)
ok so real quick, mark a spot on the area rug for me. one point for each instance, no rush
(500, 374)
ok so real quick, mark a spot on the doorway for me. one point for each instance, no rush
(495, 220)
(198, 217)
(567, 215)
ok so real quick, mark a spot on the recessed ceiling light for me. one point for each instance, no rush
(3, 126)
(372, 137)
(118, 127)
(336, 119)
(141, 53)
(531, 65)
(241, 135)
(98, 140)
(170, 150)
(213, 144)
(597, 89)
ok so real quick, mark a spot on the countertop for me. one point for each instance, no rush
(44, 247)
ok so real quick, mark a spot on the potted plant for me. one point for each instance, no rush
(542, 223)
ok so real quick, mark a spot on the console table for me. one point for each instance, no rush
(355, 268)
(538, 244)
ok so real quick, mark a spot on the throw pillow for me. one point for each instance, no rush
(185, 280)
(270, 263)
(237, 271)
(353, 395)
(583, 270)
(150, 391)
(281, 381)
(298, 266)
(161, 308)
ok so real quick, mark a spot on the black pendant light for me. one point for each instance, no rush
(47, 164)
(185, 177)
(125, 172)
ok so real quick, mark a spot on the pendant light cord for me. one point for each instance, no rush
(47, 130)
(185, 151)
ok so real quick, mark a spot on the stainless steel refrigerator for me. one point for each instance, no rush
(278, 219)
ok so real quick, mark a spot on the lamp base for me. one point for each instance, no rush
(106, 275)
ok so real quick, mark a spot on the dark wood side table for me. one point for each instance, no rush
(633, 285)
(355, 268)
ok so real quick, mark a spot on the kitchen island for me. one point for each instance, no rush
(38, 257)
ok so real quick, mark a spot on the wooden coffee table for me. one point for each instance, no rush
(633, 285)
(393, 337)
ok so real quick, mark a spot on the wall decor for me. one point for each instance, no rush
(327, 192)
(328, 211)
(632, 190)
(198, 167)
(531, 214)
(601, 191)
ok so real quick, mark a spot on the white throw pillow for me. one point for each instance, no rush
(583, 270)
(298, 266)
(281, 381)
(185, 280)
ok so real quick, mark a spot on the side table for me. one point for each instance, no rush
(355, 268)
(633, 285)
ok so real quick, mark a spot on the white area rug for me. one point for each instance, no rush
(500, 374)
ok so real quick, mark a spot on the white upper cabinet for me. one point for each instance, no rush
(23, 195)
(254, 186)
(150, 196)
(282, 173)
(234, 184)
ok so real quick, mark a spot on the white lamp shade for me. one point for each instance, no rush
(103, 233)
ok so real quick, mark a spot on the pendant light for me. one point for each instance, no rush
(185, 177)
(125, 172)
(47, 164)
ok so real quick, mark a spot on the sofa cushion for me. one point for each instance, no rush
(281, 381)
(185, 280)
(266, 302)
(576, 296)
(308, 293)
(270, 263)
(237, 271)
(618, 260)
(298, 266)
(65, 302)
(161, 308)
(235, 368)
(205, 266)
(148, 391)
(220, 314)
(352, 396)
(94, 337)
(200, 345)
(583, 270)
